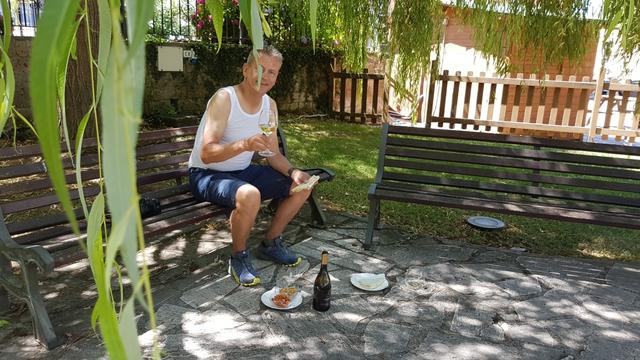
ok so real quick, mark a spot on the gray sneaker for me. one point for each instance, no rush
(278, 253)
(242, 271)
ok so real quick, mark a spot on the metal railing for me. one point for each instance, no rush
(172, 21)
(24, 16)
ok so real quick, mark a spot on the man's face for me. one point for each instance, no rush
(270, 70)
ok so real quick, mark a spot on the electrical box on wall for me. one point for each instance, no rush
(170, 58)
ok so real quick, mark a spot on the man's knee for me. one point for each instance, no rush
(248, 198)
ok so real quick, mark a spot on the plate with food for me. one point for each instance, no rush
(369, 282)
(282, 298)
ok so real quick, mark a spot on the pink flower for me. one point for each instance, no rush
(235, 2)
(200, 2)
(199, 25)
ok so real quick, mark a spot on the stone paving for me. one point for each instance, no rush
(445, 301)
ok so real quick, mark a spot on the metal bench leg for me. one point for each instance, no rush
(42, 326)
(5, 304)
(317, 215)
(372, 222)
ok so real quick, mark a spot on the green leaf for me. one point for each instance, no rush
(217, 12)
(94, 249)
(103, 311)
(128, 330)
(139, 13)
(256, 31)
(6, 26)
(265, 25)
(245, 13)
(114, 242)
(313, 18)
(121, 109)
(55, 32)
(62, 81)
(612, 25)
(7, 85)
(104, 43)
(79, 137)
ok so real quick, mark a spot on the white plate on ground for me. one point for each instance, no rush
(485, 222)
(267, 297)
(369, 282)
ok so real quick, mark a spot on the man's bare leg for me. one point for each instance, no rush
(287, 210)
(244, 216)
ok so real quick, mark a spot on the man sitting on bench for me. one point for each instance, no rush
(220, 169)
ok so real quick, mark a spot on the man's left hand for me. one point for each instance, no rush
(298, 176)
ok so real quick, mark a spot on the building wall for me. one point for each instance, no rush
(459, 54)
(186, 93)
(301, 88)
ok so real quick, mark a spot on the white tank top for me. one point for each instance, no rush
(240, 125)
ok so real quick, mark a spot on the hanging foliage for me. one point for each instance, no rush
(542, 32)
(409, 61)
(625, 17)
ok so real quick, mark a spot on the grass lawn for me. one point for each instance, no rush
(351, 150)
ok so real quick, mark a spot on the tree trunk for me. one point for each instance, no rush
(78, 94)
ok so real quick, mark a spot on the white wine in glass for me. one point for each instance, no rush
(268, 123)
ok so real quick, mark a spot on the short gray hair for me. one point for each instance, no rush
(267, 50)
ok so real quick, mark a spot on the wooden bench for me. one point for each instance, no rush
(555, 179)
(35, 236)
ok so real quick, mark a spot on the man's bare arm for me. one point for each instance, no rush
(281, 163)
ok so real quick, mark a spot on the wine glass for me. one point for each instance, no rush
(268, 123)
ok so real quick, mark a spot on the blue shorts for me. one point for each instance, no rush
(220, 187)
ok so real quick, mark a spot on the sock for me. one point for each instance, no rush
(269, 243)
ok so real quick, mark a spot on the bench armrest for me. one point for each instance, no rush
(324, 174)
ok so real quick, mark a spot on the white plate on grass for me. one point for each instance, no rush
(369, 282)
(267, 299)
(485, 222)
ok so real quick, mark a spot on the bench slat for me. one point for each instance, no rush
(495, 161)
(497, 173)
(512, 152)
(516, 208)
(515, 139)
(512, 189)
(614, 210)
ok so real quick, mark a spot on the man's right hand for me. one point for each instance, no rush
(256, 143)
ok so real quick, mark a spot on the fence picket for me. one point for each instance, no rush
(503, 106)
(581, 114)
(636, 117)
(343, 90)
(609, 109)
(374, 104)
(528, 107)
(566, 113)
(363, 103)
(479, 97)
(354, 92)
(467, 96)
(492, 105)
(443, 97)
(515, 110)
(622, 112)
(454, 98)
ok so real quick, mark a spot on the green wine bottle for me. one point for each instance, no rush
(322, 286)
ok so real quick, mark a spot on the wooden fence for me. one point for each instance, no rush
(551, 107)
(358, 97)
